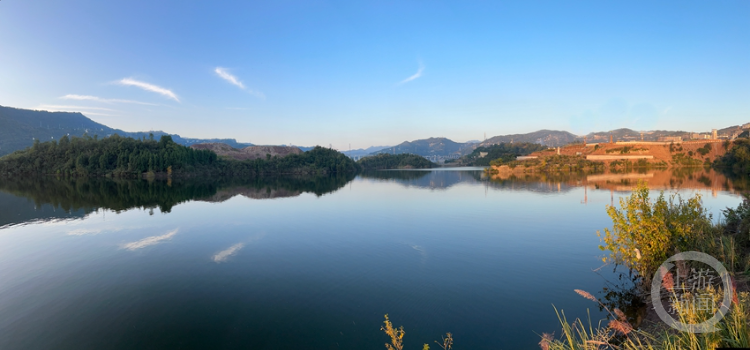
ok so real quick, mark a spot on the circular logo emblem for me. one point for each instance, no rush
(703, 279)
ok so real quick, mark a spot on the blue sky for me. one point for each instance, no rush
(379, 73)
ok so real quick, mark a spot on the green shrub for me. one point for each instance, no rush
(705, 149)
(645, 232)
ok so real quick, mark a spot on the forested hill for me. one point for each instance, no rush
(482, 155)
(737, 157)
(363, 151)
(20, 127)
(127, 157)
(434, 146)
(397, 161)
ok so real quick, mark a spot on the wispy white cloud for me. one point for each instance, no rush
(81, 98)
(415, 76)
(148, 87)
(82, 231)
(104, 100)
(149, 241)
(223, 73)
(666, 110)
(223, 255)
(68, 108)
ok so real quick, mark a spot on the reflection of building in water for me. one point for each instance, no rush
(585, 195)
(617, 177)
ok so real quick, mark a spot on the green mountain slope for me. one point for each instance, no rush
(20, 127)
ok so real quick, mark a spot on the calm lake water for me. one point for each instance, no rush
(301, 263)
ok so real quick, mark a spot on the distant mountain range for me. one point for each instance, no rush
(20, 127)
(443, 147)
(361, 152)
(364, 151)
(434, 146)
(549, 138)
(631, 135)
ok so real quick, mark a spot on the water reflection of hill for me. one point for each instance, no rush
(15, 209)
(443, 179)
(536, 182)
(23, 200)
(661, 179)
(425, 178)
(278, 187)
(677, 179)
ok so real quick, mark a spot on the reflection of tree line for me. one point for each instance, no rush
(90, 194)
(277, 186)
(538, 182)
(738, 182)
(394, 174)
(86, 195)
(125, 157)
(16, 210)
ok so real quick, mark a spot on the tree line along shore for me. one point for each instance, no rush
(126, 157)
(118, 156)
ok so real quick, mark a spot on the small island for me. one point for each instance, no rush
(395, 161)
(125, 157)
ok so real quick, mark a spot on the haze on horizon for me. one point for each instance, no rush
(379, 73)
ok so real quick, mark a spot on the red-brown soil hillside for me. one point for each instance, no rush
(661, 152)
(252, 152)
